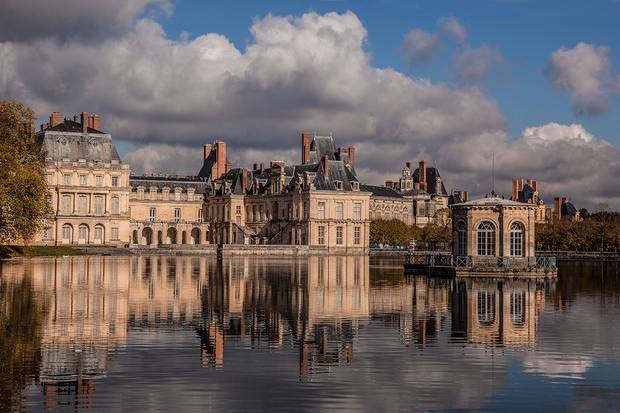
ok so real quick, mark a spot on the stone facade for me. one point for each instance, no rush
(318, 203)
(88, 184)
(493, 227)
(418, 197)
(167, 210)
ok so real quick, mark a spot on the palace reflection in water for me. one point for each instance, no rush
(315, 306)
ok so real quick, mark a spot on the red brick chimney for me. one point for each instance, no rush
(557, 207)
(515, 194)
(306, 139)
(422, 173)
(533, 184)
(465, 196)
(96, 122)
(221, 166)
(84, 121)
(55, 119)
(352, 155)
(244, 180)
(325, 166)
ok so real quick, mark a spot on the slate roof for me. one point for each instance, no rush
(492, 201)
(71, 126)
(200, 187)
(568, 209)
(75, 146)
(382, 191)
(207, 165)
(431, 173)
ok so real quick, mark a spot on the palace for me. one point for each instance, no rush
(318, 203)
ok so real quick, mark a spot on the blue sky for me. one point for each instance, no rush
(525, 32)
(451, 82)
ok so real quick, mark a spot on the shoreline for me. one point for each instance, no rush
(13, 251)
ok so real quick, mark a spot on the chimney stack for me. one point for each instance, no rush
(352, 155)
(306, 139)
(244, 180)
(96, 122)
(422, 173)
(55, 119)
(557, 207)
(84, 121)
(325, 166)
(255, 166)
(408, 165)
(221, 165)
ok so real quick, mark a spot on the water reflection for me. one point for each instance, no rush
(76, 315)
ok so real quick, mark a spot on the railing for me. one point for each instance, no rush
(439, 259)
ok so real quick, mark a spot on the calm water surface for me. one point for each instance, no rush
(323, 333)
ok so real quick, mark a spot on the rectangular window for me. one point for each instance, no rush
(115, 205)
(98, 180)
(114, 233)
(357, 240)
(115, 181)
(82, 204)
(66, 232)
(152, 214)
(306, 211)
(238, 209)
(321, 212)
(338, 235)
(66, 179)
(200, 215)
(49, 179)
(98, 205)
(66, 204)
(290, 211)
(177, 214)
(321, 235)
(49, 233)
(83, 180)
(82, 233)
(339, 210)
(261, 212)
(357, 211)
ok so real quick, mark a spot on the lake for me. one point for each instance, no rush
(182, 333)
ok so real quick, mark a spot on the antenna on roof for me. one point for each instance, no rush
(493, 174)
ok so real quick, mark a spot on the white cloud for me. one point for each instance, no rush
(453, 28)
(471, 65)
(419, 46)
(584, 72)
(307, 73)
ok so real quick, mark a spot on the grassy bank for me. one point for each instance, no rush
(8, 251)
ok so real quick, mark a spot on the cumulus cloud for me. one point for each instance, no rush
(453, 28)
(23, 20)
(585, 73)
(306, 73)
(471, 65)
(419, 46)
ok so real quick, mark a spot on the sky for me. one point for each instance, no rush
(536, 83)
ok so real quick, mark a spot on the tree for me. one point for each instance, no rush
(390, 232)
(23, 190)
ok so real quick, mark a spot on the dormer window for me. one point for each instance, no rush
(355, 186)
(338, 185)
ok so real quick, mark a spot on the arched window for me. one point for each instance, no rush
(516, 239)
(83, 234)
(517, 307)
(99, 234)
(486, 307)
(462, 238)
(486, 238)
